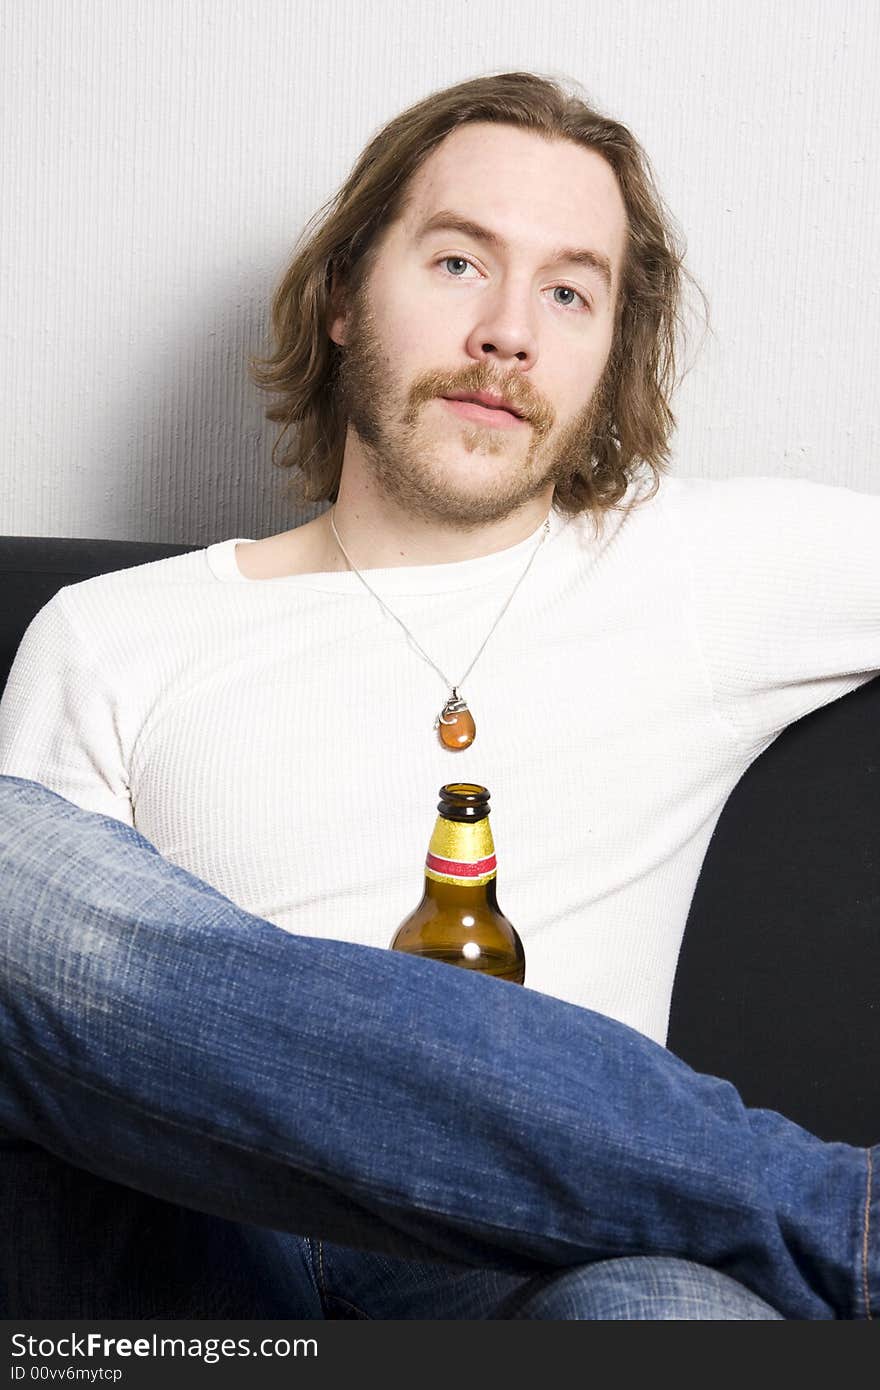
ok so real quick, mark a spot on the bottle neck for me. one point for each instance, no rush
(461, 854)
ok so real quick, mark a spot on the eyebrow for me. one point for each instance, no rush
(448, 221)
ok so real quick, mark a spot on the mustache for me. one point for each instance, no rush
(480, 377)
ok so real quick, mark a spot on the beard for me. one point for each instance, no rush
(409, 456)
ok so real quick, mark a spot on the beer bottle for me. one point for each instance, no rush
(458, 919)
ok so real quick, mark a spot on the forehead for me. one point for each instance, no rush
(533, 192)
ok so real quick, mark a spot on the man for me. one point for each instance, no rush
(476, 348)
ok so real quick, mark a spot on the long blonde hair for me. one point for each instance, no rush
(636, 423)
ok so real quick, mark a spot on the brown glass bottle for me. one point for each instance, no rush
(458, 919)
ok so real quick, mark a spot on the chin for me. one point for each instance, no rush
(477, 505)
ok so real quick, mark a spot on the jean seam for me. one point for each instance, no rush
(866, 1235)
(318, 1246)
(326, 1296)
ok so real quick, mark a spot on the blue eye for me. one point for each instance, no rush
(456, 261)
(565, 289)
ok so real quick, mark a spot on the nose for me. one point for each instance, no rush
(504, 331)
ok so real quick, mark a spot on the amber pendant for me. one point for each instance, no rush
(456, 724)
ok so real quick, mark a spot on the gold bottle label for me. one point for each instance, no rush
(461, 852)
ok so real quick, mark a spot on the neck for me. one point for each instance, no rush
(378, 534)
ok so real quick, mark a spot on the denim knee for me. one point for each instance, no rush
(637, 1289)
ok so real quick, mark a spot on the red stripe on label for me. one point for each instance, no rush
(454, 866)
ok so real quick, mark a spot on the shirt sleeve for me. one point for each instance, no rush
(786, 593)
(59, 719)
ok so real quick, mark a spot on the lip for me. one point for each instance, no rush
(483, 414)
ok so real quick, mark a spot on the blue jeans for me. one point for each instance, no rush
(232, 1083)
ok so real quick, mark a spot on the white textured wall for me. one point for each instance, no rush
(161, 156)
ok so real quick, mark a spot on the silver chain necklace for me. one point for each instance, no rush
(455, 722)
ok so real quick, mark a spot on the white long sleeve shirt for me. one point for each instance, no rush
(275, 737)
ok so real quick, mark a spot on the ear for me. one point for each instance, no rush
(337, 312)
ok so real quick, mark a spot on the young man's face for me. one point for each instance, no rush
(499, 306)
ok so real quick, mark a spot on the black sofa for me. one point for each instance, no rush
(778, 984)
